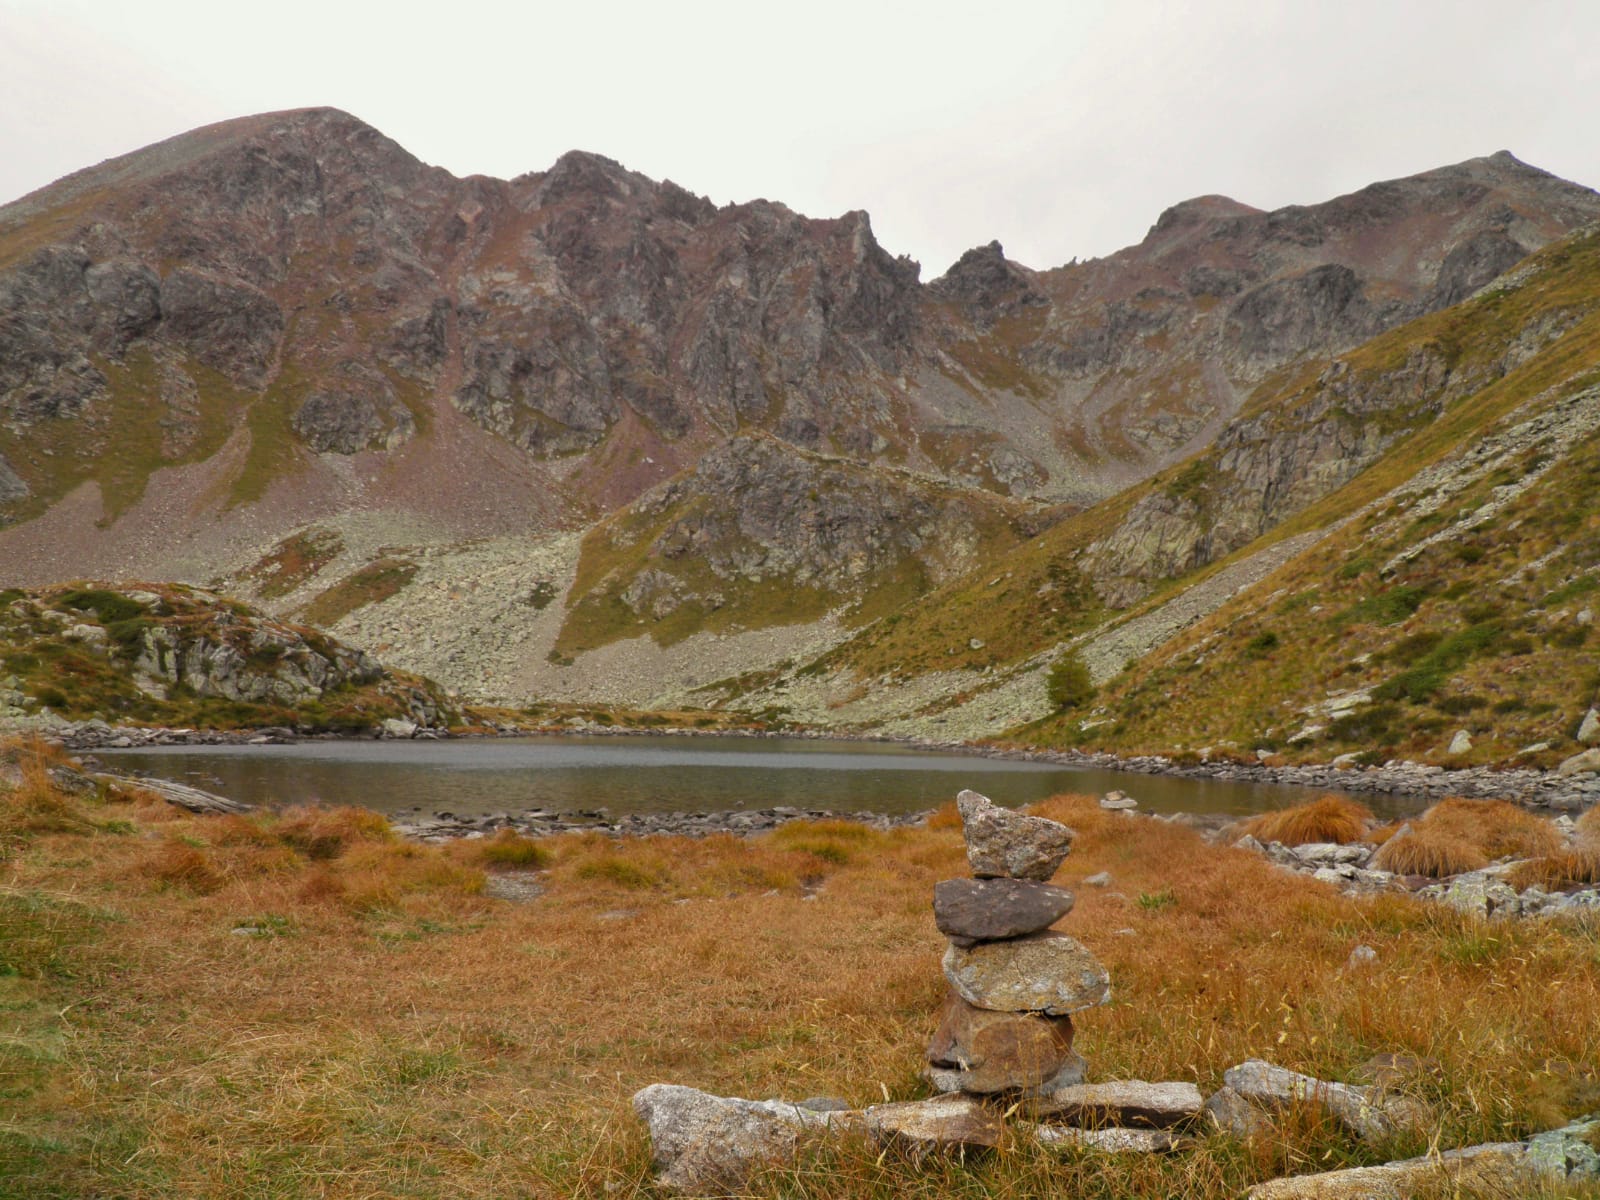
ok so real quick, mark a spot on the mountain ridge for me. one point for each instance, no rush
(287, 327)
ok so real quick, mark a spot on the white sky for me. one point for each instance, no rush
(1063, 129)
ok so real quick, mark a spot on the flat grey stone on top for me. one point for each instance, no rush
(983, 910)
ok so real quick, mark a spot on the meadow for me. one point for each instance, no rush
(303, 1004)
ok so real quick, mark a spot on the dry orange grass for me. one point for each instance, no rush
(1588, 827)
(1326, 819)
(1458, 835)
(1432, 852)
(1571, 867)
(371, 1024)
(1496, 827)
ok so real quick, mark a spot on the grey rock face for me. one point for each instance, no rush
(1370, 1113)
(226, 324)
(1043, 972)
(704, 1144)
(998, 1051)
(1003, 843)
(1125, 1102)
(1495, 1169)
(360, 413)
(978, 910)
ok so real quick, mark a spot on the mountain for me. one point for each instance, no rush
(582, 433)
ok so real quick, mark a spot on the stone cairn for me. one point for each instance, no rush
(1006, 1025)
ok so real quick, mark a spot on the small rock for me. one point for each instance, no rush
(1099, 879)
(980, 910)
(398, 727)
(1109, 1140)
(946, 1125)
(1003, 843)
(1461, 743)
(1589, 730)
(1361, 956)
(1042, 972)
(998, 1051)
(1231, 1113)
(1580, 764)
(1118, 802)
(711, 1144)
(1125, 1102)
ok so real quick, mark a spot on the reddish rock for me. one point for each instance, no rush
(998, 1051)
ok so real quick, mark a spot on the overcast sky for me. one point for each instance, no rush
(1062, 128)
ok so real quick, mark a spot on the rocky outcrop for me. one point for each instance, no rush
(159, 652)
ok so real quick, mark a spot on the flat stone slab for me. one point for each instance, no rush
(998, 1051)
(1371, 1113)
(1111, 1140)
(1006, 844)
(1231, 1113)
(946, 1125)
(1124, 1102)
(985, 910)
(710, 1145)
(1495, 1169)
(1047, 973)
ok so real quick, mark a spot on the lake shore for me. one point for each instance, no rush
(1533, 788)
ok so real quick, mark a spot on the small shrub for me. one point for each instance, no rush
(1460, 705)
(1386, 608)
(109, 606)
(1156, 901)
(614, 868)
(508, 848)
(178, 864)
(1326, 819)
(326, 833)
(1068, 683)
(1262, 644)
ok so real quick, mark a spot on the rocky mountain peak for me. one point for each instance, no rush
(988, 284)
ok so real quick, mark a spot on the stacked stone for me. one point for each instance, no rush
(1006, 1025)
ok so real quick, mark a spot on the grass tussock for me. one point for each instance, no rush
(1326, 819)
(1588, 827)
(1434, 853)
(369, 1022)
(1572, 867)
(509, 849)
(324, 833)
(1457, 835)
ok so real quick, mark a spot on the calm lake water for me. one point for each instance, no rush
(653, 774)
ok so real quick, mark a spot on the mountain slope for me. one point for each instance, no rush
(285, 330)
(1428, 576)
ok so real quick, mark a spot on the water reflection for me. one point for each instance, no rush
(654, 774)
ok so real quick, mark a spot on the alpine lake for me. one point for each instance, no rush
(619, 775)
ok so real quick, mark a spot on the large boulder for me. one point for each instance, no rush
(1043, 972)
(710, 1145)
(982, 910)
(1003, 843)
(989, 1051)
